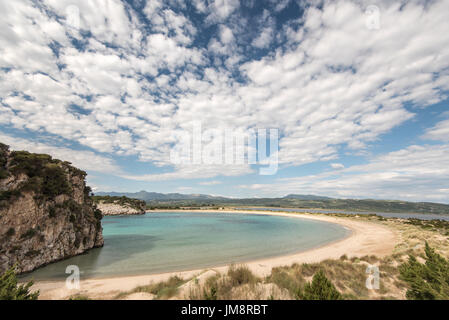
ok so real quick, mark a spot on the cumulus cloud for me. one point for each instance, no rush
(417, 173)
(85, 160)
(439, 132)
(194, 172)
(337, 166)
(210, 183)
(124, 84)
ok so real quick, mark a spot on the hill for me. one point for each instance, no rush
(176, 200)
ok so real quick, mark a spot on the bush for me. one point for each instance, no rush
(45, 174)
(3, 160)
(54, 181)
(162, 290)
(240, 275)
(10, 232)
(320, 289)
(429, 281)
(29, 234)
(10, 290)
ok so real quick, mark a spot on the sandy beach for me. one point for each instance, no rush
(366, 238)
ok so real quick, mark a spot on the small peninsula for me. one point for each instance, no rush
(114, 206)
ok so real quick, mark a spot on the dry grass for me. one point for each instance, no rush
(160, 290)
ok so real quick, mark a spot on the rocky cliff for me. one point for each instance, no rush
(46, 212)
(112, 206)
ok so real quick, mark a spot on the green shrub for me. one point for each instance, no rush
(429, 281)
(52, 212)
(240, 275)
(162, 290)
(45, 174)
(54, 181)
(10, 290)
(3, 173)
(320, 289)
(3, 160)
(10, 232)
(98, 214)
(73, 206)
(29, 234)
(210, 293)
(7, 195)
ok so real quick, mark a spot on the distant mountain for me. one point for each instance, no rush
(155, 196)
(306, 197)
(173, 200)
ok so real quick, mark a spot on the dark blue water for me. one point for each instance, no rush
(164, 242)
(382, 214)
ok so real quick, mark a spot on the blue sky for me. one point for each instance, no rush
(357, 89)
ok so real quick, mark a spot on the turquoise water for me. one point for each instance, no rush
(164, 242)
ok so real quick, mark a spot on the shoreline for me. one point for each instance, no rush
(366, 238)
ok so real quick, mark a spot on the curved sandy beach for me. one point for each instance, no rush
(366, 238)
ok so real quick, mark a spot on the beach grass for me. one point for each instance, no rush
(160, 290)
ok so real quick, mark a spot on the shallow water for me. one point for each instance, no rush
(165, 242)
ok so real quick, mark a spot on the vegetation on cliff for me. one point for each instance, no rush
(46, 176)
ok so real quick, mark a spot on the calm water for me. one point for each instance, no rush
(382, 214)
(162, 242)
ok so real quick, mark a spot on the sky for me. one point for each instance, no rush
(357, 91)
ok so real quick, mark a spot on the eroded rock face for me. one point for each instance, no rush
(46, 213)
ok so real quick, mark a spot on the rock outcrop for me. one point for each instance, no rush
(46, 212)
(114, 206)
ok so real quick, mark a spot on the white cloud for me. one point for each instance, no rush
(337, 166)
(417, 173)
(85, 160)
(226, 35)
(210, 183)
(220, 10)
(439, 133)
(335, 83)
(194, 172)
(264, 39)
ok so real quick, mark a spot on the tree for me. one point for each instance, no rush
(429, 281)
(10, 290)
(320, 289)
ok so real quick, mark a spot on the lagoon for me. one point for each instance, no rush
(159, 242)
